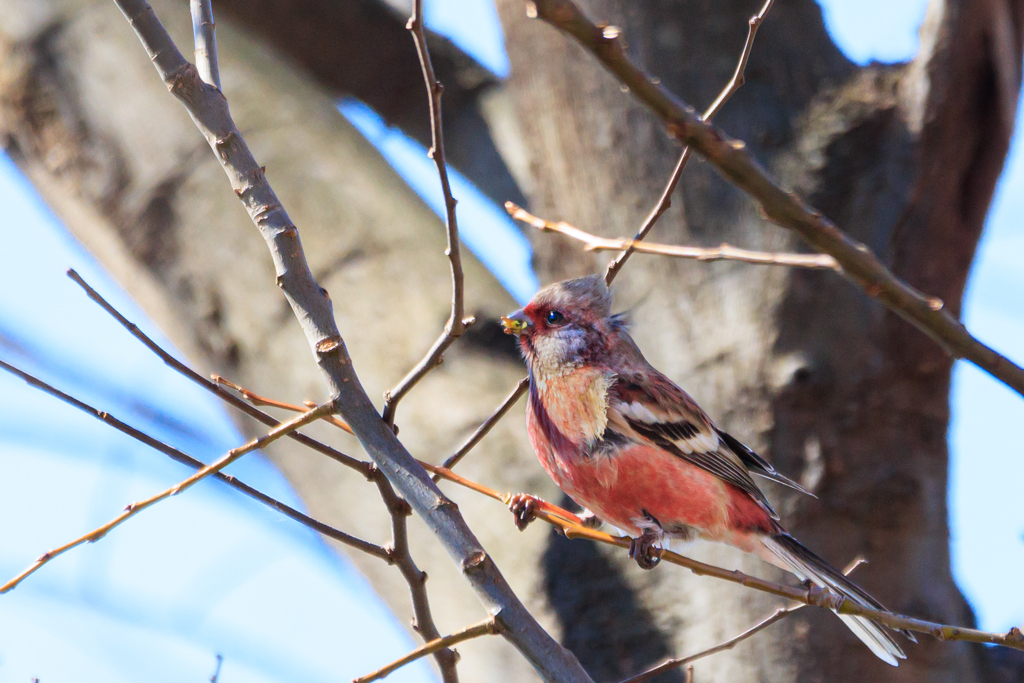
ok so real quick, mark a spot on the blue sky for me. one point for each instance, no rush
(213, 572)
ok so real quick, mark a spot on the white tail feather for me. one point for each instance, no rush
(810, 568)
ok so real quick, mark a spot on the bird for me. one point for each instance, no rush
(637, 452)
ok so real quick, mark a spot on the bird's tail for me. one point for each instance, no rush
(809, 567)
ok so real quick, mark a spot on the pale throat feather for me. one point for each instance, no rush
(576, 402)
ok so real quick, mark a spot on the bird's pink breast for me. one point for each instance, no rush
(641, 481)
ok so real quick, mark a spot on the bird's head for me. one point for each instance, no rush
(563, 324)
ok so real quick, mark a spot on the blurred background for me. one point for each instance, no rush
(211, 573)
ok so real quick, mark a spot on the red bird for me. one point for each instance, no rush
(627, 444)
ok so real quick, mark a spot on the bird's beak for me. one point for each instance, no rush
(516, 323)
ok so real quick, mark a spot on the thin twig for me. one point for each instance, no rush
(204, 31)
(135, 508)
(257, 400)
(218, 391)
(569, 525)
(487, 425)
(783, 207)
(311, 306)
(216, 671)
(734, 84)
(457, 323)
(189, 461)
(572, 527)
(487, 627)
(398, 552)
(415, 578)
(724, 252)
(776, 616)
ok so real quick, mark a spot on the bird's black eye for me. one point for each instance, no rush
(555, 318)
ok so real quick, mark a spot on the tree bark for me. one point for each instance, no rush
(802, 366)
(838, 393)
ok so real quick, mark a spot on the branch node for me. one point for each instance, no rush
(824, 597)
(328, 345)
(263, 212)
(474, 562)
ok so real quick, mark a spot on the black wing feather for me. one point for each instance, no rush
(758, 465)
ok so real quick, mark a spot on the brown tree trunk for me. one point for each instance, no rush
(836, 391)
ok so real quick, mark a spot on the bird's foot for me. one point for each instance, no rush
(589, 520)
(644, 549)
(524, 509)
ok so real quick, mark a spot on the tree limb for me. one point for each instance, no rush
(776, 616)
(486, 426)
(928, 314)
(187, 460)
(568, 524)
(486, 627)
(312, 308)
(398, 553)
(205, 32)
(456, 324)
(723, 252)
(571, 526)
(135, 508)
(737, 80)
(226, 396)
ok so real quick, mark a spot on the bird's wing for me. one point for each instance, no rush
(653, 408)
(758, 465)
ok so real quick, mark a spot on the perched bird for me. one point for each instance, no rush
(632, 448)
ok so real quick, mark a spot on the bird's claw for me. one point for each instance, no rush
(524, 509)
(645, 551)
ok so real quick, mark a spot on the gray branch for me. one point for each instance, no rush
(205, 32)
(312, 307)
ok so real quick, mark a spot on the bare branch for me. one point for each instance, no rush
(189, 461)
(783, 207)
(312, 308)
(572, 526)
(487, 425)
(724, 252)
(398, 553)
(257, 400)
(216, 671)
(486, 627)
(205, 32)
(226, 396)
(135, 508)
(778, 615)
(434, 357)
(569, 525)
(665, 201)
(457, 323)
(738, 78)
(423, 619)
